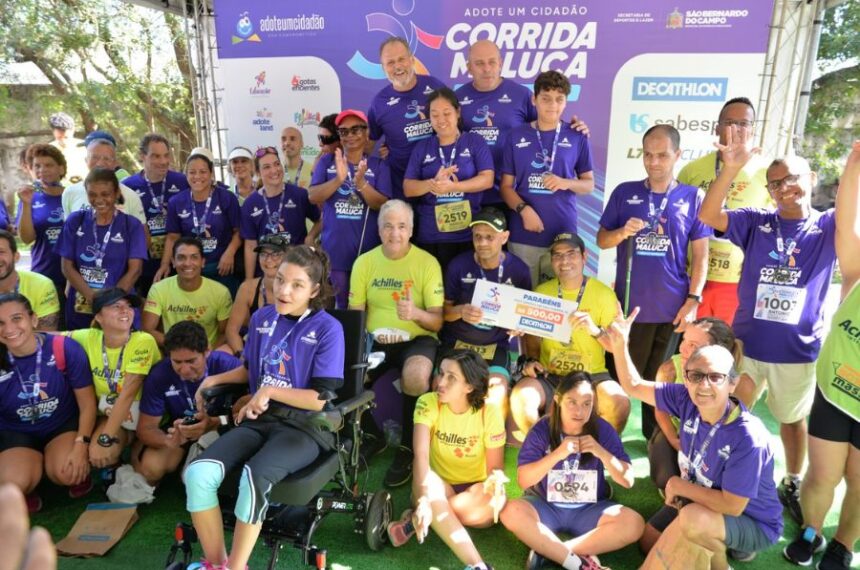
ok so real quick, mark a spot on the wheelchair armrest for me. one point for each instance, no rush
(219, 399)
(224, 390)
(332, 420)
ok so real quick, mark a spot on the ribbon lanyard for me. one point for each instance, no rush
(101, 249)
(350, 174)
(453, 153)
(298, 172)
(548, 165)
(157, 201)
(197, 229)
(578, 295)
(112, 377)
(283, 341)
(274, 221)
(570, 467)
(192, 407)
(33, 393)
(501, 268)
(655, 213)
(785, 248)
(700, 454)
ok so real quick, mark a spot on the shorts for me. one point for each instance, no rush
(575, 522)
(828, 422)
(719, 300)
(499, 364)
(790, 387)
(549, 382)
(397, 353)
(537, 258)
(743, 533)
(37, 442)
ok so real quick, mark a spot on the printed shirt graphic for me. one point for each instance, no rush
(156, 216)
(665, 264)
(344, 212)
(208, 305)
(289, 221)
(138, 356)
(810, 267)
(47, 214)
(53, 398)
(838, 365)
(221, 220)
(459, 442)
(524, 160)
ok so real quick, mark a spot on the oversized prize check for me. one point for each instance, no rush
(521, 310)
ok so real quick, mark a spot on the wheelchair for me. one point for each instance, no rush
(330, 484)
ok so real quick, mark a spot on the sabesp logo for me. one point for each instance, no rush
(639, 123)
(680, 88)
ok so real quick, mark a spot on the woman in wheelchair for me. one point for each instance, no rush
(459, 445)
(561, 466)
(293, 353)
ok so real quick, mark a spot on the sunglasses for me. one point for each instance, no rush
(789, 180)
(330, 139)
(356, 130)
(264, 150)
(714, 378)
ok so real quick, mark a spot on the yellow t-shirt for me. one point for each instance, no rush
(307, 169)
(583, 352)
(459, 442)
(139, 355)
(748, 190)
(40, 291)
(208, 305)
(377, 281)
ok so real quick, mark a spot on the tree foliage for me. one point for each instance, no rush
(834, 110)
(111, 65)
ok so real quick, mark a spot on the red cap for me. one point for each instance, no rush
(349, 113)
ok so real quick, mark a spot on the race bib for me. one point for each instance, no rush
(453, 216)
(779, 303)
(571, 487)
(96, 279)
(724, 261)
(390, 335)
(156, 247)
(564, 360)
(209, 245)
(485, 351)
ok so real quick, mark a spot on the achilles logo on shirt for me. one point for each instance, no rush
(635, 200)
(393, 101)
(504, 99)
(523, 143)
(387, 283)
(458, 440)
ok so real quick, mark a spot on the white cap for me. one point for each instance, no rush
(201, 151)
(240, 152)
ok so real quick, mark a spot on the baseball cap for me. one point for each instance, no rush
(240, 152)
(570, 239)
(492, 217)
(272, 241)
(349, 113)
(61, 121)
(108, 297)
(98, 135)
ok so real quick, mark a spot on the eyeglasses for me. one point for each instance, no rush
(264, 150)
(271, 254)
(328, 139)
(356, 130)
(739, 124)
(714, 378)
(789, 180)
(572, 254)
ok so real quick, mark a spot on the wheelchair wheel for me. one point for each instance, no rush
(376, 519)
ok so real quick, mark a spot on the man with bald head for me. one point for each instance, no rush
(296, 170)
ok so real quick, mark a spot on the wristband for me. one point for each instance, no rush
(696, 298)
(83, 439)
(520, 207)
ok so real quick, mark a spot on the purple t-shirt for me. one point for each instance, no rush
(48, 224)
(738, 459)
(346, 215)
(296, 351)
(164, 392)
(155, 195)
(493, 114)
(537, 446)
(216, 230)
(460, 279)
(54, 397)
(784, 324)
(471, 155)
(286, 214)
(660, 256)
(403, 118)
(77, 243)
(525, 159)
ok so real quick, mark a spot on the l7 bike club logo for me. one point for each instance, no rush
(245, 30)
(394, 27)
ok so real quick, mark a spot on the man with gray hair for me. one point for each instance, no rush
(789, 256)
(101, 153)
(400, 287)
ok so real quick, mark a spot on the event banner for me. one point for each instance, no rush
(522, 310)
(631, 64)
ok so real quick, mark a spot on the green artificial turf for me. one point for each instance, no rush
(147, 543)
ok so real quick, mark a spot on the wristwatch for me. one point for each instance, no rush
(105, 440)
(520, 207)
(696, 298)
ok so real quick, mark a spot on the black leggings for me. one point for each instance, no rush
(269, 449)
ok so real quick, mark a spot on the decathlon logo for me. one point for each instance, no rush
(680, 88)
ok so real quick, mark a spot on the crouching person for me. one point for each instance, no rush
(169, 421)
